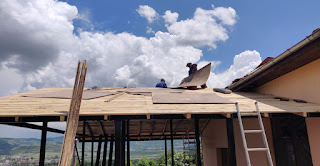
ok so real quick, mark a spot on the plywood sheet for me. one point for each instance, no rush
(188, 98)
(153, 90)
(66, 94)
(198, 78)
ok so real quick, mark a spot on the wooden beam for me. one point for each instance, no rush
(62, 118)
(148, 116)
(266, 115)
(16, 119)
(73, 116)
(227, 115)
(152, 127)
(208, 121)
(164, 127)
(105, 117)
(102, 128)
(43, 144)
(303, 114)
(187, 116)
(177, 126)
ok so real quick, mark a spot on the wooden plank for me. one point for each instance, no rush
(303, 114)
(187, 116)
(73, 117)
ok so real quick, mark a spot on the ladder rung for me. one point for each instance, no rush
(257, 149)
(253, 131)
(249, 114)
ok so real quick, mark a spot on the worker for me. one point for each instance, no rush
(162, 84)
(192, 68)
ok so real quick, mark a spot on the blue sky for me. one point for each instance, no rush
(270, 27)
(41, 41)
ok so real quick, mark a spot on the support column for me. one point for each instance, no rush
(99, 151)
(171, 137)
(231, 144)
(165, 150)
(43, 144)
(123, 142)
(92, 146)
(198, 155)
(117, 127)
(128, 144)
(83, 142)
(111, 151)
(105, 148)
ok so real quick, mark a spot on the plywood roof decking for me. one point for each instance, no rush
(128, 104)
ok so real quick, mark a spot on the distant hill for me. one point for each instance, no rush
(31, 147)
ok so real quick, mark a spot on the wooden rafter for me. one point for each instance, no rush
(177, 126)
(102, 128)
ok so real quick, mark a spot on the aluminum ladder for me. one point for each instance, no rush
(260, 131)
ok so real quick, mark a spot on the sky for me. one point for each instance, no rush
(138, 42)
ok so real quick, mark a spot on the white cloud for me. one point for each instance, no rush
(42, 51)
(150, 30)
(147, 12)
(170, 17)
(243, 64)
(204, 29)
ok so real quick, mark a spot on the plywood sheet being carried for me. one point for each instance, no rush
(198, 78)
(188, 98)
(66, 94)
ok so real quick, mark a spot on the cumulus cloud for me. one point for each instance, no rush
(147, 12)
(243, 64)
(39, 47)
(170, 17)
(32, 33)
(206, 28)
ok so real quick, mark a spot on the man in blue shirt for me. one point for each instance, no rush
(192, 68)
(162, 84)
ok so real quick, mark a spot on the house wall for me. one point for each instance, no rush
(302, 83)
(314, 137)
(215, 136)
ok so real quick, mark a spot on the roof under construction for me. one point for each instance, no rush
(148, 109)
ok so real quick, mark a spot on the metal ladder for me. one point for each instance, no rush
(189, 150)
(261, 131)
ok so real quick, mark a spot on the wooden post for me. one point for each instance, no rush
(83, 142)
(198, 156)
(165, 150)
(99, 151)
(105, 148)
(43, 144)
(128, 144)
(111, 151)
(73, 116)
(171, 137)
(231, 145)
(117, 126)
